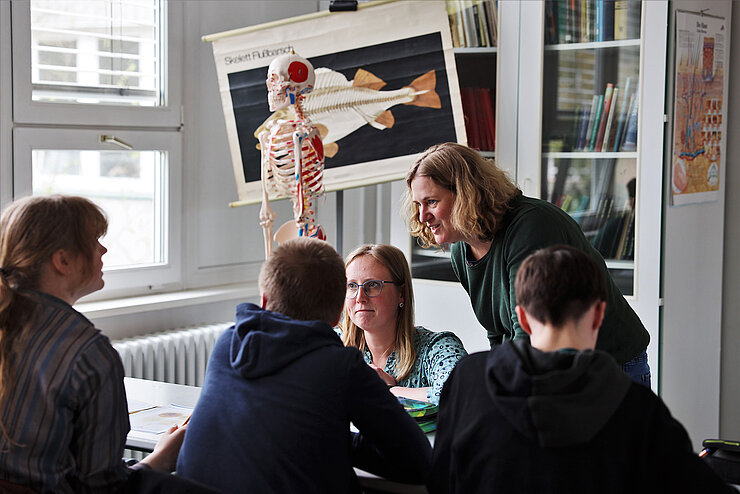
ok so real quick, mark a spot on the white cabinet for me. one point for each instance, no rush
(560, 81)
(549, 75)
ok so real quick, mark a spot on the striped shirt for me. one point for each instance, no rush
(68, 408)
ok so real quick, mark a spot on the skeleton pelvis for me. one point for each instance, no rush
(286, 232)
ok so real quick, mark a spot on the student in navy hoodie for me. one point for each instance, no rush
(281, 390)
(559, 416)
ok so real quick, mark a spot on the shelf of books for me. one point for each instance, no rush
(474, 28)
(590, 121)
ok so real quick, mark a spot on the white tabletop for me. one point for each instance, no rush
(161, 394)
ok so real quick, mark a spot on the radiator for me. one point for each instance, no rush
(178, 356)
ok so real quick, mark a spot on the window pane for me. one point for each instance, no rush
(126, 184)
(97, 51)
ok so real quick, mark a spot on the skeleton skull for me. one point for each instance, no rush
(288, 77)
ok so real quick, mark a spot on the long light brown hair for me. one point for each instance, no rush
(32, 229)
(393, 259)
(482, 191)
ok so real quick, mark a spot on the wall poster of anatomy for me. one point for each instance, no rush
(391, 67)
(701, 60)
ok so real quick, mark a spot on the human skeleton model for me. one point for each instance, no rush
(292, 152)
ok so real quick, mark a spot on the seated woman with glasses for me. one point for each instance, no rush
(379, 321)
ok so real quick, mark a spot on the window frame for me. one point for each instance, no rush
(120, 281)
(27, 111)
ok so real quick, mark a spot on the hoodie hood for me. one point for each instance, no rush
(557, 399)
(263, 342)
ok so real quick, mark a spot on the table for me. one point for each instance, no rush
(160, 393)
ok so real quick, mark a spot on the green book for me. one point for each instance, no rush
(597, 117)
(418, 409)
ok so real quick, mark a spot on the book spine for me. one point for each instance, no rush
(630, 134)
(489, 119)
(466, 21)
(566, 203)
(575, 24)
(604, 115)
(471, 24)
(582, 126)
(622, 115)
(452, 17)
(608, 128)
(595, 128)
(582, 203)
(584, 21)
(493, 4)
(621, 8)
(551, 30)
(478, 21)
(479, 112)
(629, 245)
(625, 232)
(468, 116)
(590, 124)
(607, 20)
(488, 17)
(563, 32)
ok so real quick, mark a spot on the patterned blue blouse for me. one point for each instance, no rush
(436, 356)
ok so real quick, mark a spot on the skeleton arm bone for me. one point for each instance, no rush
(298, 204)
(267, 215)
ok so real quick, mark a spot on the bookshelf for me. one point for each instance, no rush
(545, 88)
(590, 118)
(476, 60)
(534, 78)
(556, 81)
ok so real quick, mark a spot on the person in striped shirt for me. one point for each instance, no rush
(63, 411)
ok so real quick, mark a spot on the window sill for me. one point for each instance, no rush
(170, 300)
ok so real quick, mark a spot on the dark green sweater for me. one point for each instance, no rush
(529, 225)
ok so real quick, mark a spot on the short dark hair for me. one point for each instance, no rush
(304, 279)
(558, 284)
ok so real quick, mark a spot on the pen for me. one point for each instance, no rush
(186, 420)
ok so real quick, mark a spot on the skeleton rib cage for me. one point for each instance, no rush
(281, 173)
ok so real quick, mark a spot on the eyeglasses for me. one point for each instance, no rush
(372, 288)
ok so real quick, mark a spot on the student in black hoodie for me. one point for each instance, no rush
(558, 416)
(280, 391)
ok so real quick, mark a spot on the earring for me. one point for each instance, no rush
(400, 306)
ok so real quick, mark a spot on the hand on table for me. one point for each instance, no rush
(387, 378)
(164, 456)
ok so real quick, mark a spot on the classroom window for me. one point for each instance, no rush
(101, 51)
(96, 113)
(126, 184)
(138, 188)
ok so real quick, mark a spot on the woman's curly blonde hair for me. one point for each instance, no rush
(482, 191)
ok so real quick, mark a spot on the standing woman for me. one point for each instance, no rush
(456, 196)
(63, 412)
(379, 320)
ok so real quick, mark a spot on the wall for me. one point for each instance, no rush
(6, 176)
(730, 378)
(692, 285)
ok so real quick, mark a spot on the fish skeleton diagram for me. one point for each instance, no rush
(292, 151)
(338, 107)
(379, 98)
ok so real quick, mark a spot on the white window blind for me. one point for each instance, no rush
(97, 51)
